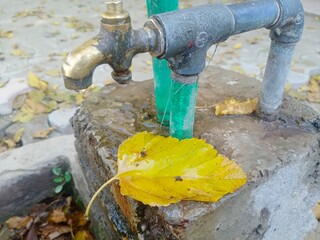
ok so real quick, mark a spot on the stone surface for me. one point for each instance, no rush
(280, 158)
(7, 94)
(26, 177)
(60, 119)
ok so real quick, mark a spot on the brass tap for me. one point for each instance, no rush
(116, 44)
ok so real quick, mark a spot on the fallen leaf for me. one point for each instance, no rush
(6, 34)
(57, 216)
(35, 106)
(79, 98)
(237, 68)
(19, 101)
(287, 87)
(53, 72)
(18, 222)
(18, 52)
(78, 24)
(10, 143)
(2, 84)
(35, 82)
(309, 92)
(30, 13)
(83, 235)
(159, 170)
(36, 95)
(237, 46)
(52, 231)
(232, 106)
(316, 211)
(42, 134)
(18, 135)
(25, 114)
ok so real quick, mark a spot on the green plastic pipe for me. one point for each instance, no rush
(161, 71)
(175, 102)
(183, 105)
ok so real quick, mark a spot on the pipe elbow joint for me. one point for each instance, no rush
(289, 27)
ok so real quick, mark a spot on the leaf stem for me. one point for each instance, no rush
(86, 215)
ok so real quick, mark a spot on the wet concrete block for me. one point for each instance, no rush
(280, 159)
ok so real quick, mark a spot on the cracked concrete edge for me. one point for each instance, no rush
(35, 161)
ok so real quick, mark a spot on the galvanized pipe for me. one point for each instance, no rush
(275, 76)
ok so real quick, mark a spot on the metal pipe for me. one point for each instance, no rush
(254, 15)
(183, 38)
(161, 71)
(276, 73)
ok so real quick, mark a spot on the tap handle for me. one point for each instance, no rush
(115, 12)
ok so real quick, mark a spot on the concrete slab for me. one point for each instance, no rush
(280, 158)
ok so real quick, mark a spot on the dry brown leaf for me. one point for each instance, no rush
(42, 134)
(18, 222)
(232, 106)
(6, 34)
(316, 211)
(18, 135)
(10, 143)
(52, 231)
(57, 216)
(36, 82)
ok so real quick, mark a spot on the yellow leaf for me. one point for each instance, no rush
(18, 52)
(25, 114)
(42, 133)
(18, 222)
(237, 46)
(18, 135)
(287, 87)
(79, 98)
(159, 170)
(78, 24)
(35, 82)
(232, 106)
(237, 68)
(36, 95)
(35, 106)
(6, 34)
(53, 72)
(2, 84)
(52, 105)
(10, 143)
(83, 235)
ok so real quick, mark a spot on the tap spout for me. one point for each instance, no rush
(116, 44)
(78, 67)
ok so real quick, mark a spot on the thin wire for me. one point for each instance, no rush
(179, 89)
(167, 104)
(214, 52)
